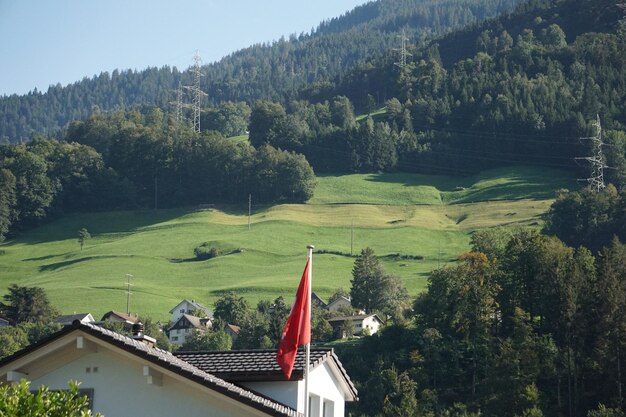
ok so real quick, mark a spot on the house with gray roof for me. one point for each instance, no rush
(129, 376)
(190, 307)
(185, 326)
(258, 370)
(118, 317)
(368, 323)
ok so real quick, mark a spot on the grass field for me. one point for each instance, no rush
(395, 214)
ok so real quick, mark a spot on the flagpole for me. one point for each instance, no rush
(308, 345)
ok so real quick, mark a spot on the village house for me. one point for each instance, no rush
(232, 331)
(185, 326)
(368, 323)
(339, 303)
(129, 376)
(258, 370)
(190, 308)
(118, 317)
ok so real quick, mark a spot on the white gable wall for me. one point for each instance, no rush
(338, 304)
(184, 307)
(372, 323)
(323, 386)
(284, 392)
(121, 389)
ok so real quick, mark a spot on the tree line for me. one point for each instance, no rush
(523, 325)
(126, 160)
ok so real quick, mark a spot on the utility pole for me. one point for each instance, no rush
(249, 209)
(403, 52)
(351, 236)
(596, 181)
(128, 293)
(195, 91)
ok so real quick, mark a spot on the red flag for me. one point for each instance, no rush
(298, 328)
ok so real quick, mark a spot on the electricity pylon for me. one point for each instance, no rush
(403, 52)
(195, 91)
(596, 180)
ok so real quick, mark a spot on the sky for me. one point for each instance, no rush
(45, 42)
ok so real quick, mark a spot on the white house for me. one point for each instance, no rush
(126, 376)
(339, 303)
(189, 307)
(185, 326)
(360, 322)
(330, 385)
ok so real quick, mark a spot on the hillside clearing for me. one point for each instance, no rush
(266, 261)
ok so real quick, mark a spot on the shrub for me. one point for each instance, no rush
(204, 252)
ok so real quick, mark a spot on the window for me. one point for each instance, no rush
(182, 311)
(314, 405)
(328, 408)
(88, 392)
(175, 339)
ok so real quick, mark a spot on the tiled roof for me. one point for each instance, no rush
(233, 328)
(250, 365)
(124, 316)
(356, 317)
(194, 322)
(260, 365)
(171, 362)
(317, 299)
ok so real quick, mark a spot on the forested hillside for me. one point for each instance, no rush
(519, 97)
(275, 70)
(523, 89)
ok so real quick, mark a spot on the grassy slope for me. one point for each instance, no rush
(392, 213)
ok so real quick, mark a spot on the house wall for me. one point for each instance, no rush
(177, 313)
(121, 390)
(322, 385)
(372, 323)
(179, 336)
(338, 304)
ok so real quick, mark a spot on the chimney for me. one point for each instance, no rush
(141, 337)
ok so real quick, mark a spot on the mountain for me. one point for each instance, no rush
(522, 88)
(269, 70)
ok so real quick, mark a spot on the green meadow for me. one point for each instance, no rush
(414, 223)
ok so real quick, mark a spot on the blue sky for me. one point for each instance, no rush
(44, 42)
